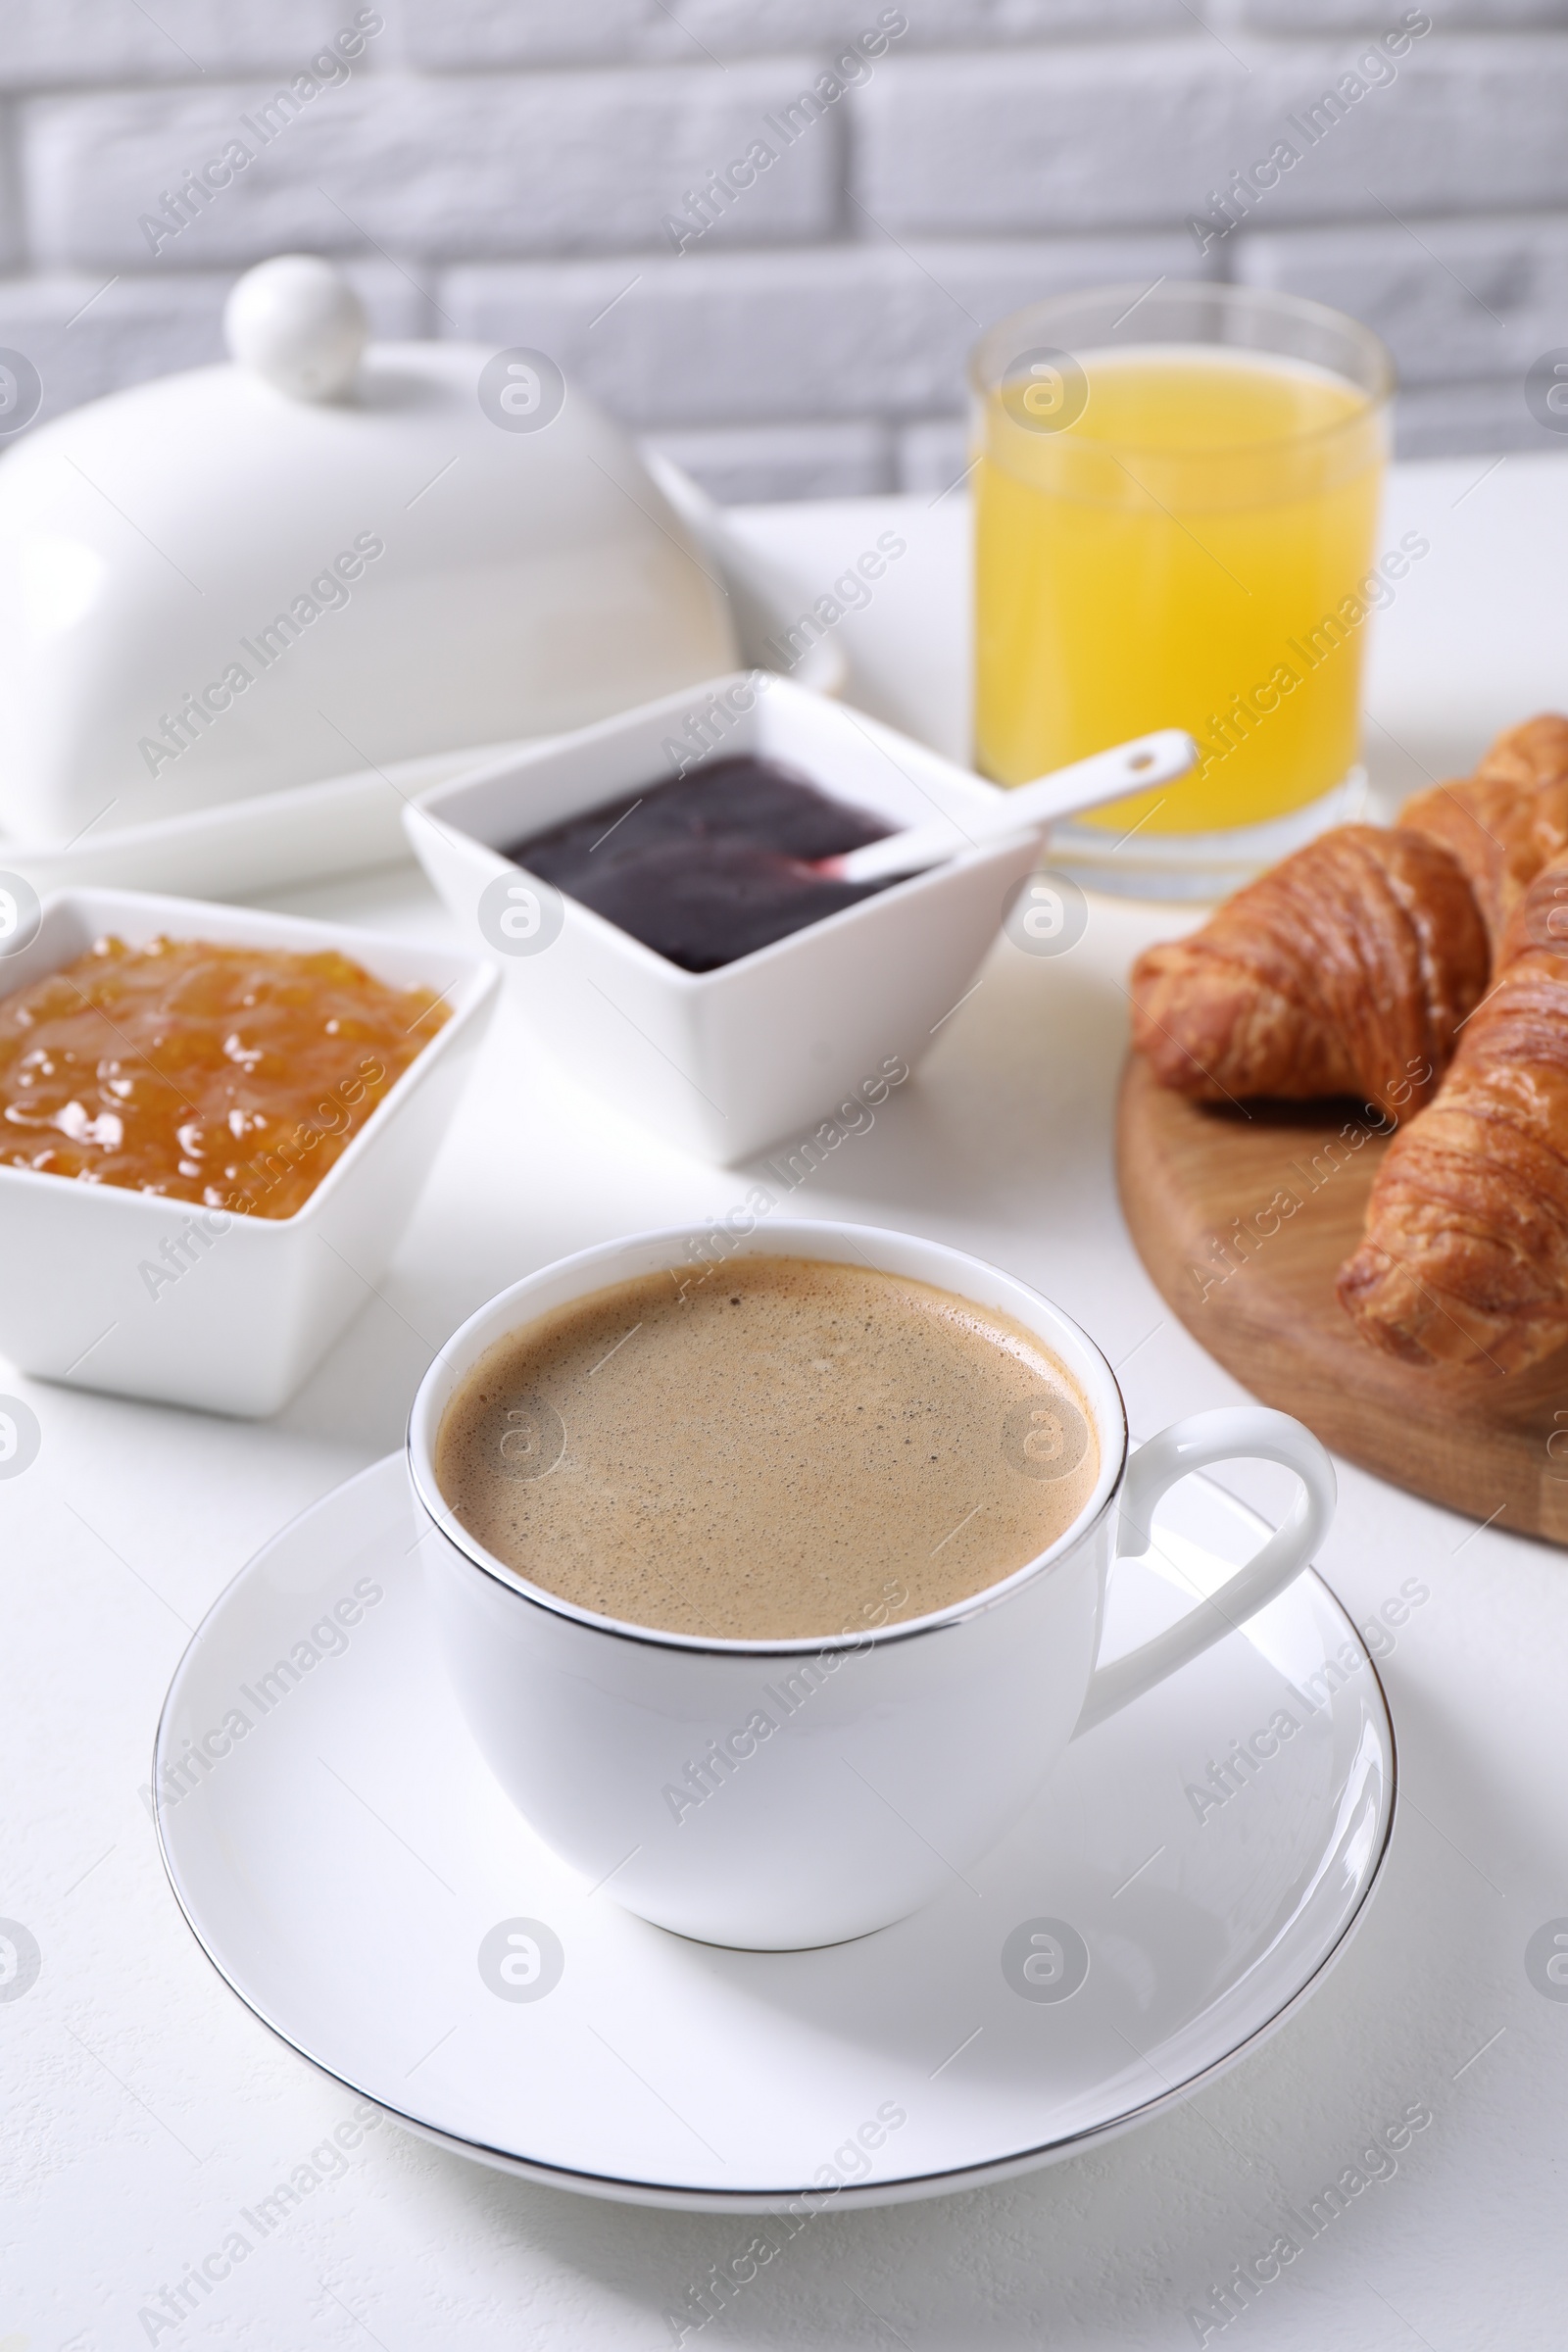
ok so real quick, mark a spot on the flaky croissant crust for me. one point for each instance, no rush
(1509, 821)
(1362, 961)
(1465, 1257)
(1346, 969)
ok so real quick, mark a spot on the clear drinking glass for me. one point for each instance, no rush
(1176, 502)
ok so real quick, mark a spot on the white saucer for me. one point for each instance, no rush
(353, 1871)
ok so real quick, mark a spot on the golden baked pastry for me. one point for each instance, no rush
(1507, 820)
(1465, 1260)
(1344, 971)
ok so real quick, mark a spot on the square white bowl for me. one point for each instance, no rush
(253, 1306)
(728, 1061)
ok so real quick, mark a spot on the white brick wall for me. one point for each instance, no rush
(503, 169)
(1083, 136)
(1474, 300)
(104, 41)
(852, 330)
(423, 165)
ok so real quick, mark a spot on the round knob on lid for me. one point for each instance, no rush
(297, 322)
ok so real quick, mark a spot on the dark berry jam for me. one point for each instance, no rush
(709, 867)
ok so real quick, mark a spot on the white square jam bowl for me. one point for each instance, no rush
(727, 1062)
(242, 1306)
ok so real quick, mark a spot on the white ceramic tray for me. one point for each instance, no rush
(345, 823)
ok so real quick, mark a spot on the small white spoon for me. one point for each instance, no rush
(1134, 767)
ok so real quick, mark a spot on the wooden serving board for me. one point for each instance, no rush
(1208, 1193)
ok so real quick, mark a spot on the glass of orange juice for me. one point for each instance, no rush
(1176, 499)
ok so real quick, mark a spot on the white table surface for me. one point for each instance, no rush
(143, 2107)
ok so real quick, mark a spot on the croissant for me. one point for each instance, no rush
(1346, 969)
(1507, 820)
(1465, 1257)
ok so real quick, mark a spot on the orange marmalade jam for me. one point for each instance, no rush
(233, 1077)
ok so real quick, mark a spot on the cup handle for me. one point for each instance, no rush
(1231, 1432)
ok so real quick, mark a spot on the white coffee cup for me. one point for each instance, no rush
(893, 1757)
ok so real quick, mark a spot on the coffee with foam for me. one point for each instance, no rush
(781, 1449)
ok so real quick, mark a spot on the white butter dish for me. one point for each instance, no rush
(345, 822)
(250, 576)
